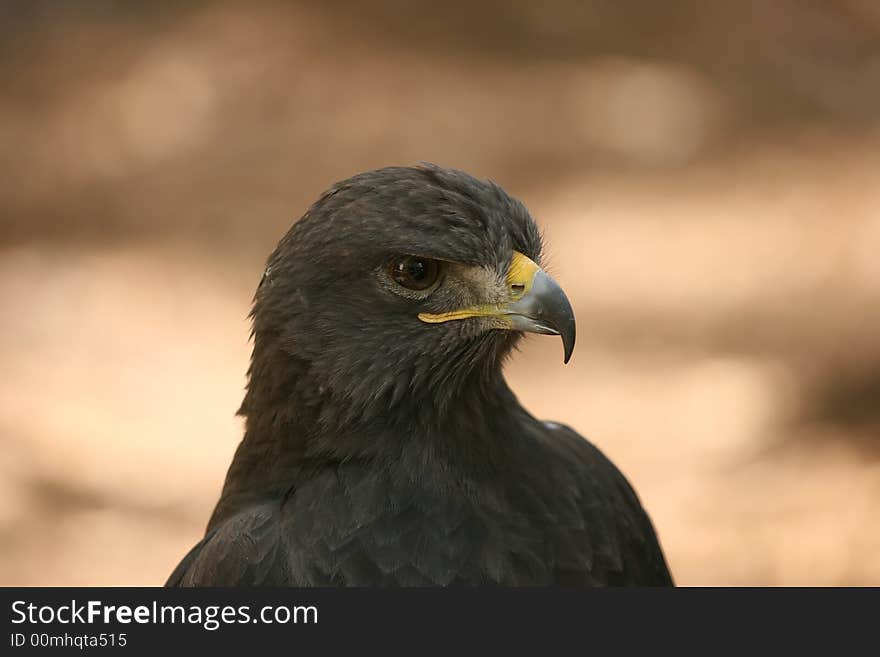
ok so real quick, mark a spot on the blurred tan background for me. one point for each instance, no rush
(707, 175)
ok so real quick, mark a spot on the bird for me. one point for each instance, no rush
(382, 444)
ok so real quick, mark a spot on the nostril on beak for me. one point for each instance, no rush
(518, 288)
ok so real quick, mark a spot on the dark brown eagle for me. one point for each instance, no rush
(383, 446)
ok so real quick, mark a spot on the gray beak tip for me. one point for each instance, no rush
(569, 349)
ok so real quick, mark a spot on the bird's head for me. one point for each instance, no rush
(403, 284)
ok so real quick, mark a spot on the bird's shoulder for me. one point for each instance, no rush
(600, 509)
(246, 548)
(581, 458)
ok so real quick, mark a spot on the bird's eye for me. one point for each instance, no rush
(414, 272)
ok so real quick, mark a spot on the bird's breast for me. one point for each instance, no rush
(351, 526)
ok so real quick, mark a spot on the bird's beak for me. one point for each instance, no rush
(542, 306)
(536, 305)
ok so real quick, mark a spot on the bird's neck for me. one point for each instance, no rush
(294, 426)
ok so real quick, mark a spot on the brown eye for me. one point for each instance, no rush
(414, 272)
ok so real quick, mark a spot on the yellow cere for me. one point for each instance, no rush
(521, 273)
(519, 278)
